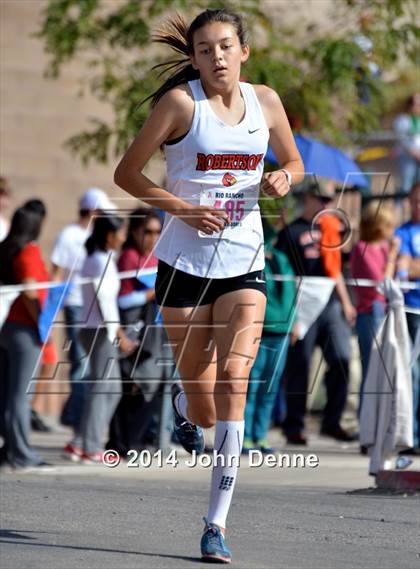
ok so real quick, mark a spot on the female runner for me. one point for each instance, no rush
(214, 130)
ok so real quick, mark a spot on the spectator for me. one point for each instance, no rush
(67, 259)
(21, 263)
(407, 130)
(4, 206)
(300, 241)
(49, 356)
(266, 373)
(143, 233)
(130, 423)
(373, 257)
(408, 268)
(100, 329)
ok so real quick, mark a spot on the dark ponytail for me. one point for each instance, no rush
(176, 33)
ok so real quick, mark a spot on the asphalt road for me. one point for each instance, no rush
(92, 517)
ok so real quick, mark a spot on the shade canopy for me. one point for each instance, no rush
(325, 160)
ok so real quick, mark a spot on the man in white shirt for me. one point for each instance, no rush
(67, 259)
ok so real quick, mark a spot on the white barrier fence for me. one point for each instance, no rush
(18, 288)
(404, 285)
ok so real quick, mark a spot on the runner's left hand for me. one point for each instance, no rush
(275, 184)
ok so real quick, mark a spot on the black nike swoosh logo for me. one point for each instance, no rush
(252, 131)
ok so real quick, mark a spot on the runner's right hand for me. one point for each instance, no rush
(205, 218)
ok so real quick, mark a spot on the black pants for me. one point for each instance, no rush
(129, 428)
(333, 334)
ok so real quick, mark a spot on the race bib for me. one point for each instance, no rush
(238, 205)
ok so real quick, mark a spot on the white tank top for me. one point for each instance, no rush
(221, 165)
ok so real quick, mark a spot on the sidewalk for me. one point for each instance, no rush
(332, 464)
(340, 465)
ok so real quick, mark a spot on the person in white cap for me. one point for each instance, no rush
(95, 199)
(67, 259)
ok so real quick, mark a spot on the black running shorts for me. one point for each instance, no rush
(176, 288)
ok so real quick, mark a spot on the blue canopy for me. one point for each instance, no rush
(327, 161)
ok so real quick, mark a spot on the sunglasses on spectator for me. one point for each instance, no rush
(152, 231)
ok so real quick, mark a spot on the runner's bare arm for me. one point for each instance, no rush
(171, 117)
(282, 142)
(165, 118)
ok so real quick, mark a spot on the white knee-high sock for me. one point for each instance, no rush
(228, 443)
(181, 405)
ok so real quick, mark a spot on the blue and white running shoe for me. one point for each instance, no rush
(190, 436)
(213, 548)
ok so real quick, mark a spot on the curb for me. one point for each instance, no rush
(398, 480)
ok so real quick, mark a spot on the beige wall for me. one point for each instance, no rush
(37, 116)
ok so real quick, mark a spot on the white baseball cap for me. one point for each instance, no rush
(95, 198)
